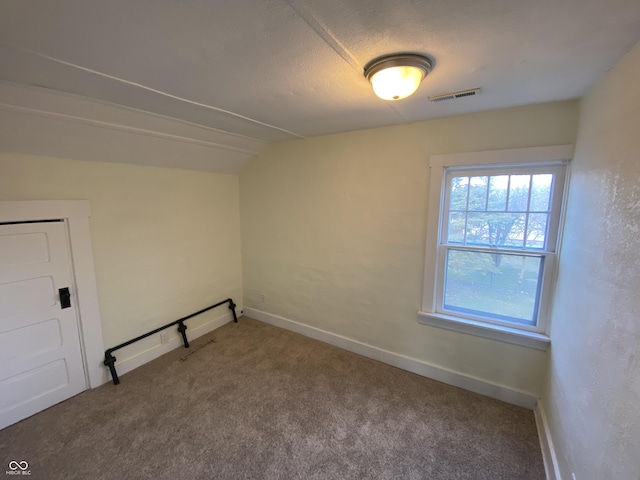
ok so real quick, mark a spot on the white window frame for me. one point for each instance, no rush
(431, 312)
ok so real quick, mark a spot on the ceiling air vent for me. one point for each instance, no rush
(451, 96)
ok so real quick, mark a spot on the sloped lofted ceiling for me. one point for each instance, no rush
(275, 70)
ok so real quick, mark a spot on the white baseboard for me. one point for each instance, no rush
(156, 351)
(409, 364)
(546, 444)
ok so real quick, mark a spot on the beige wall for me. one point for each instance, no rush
(592, 395)
(333, 234)
(166, 242)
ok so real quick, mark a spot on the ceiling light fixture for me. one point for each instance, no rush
(394, 77)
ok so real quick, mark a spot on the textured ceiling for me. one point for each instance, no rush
(281, 69)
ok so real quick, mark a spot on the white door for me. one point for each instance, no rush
(40, 355)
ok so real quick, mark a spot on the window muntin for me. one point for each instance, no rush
(497, 238)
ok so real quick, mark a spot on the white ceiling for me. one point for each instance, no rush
(275, 70)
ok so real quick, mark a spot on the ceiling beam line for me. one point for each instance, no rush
(152, 90)
(333, 42)
(325, 33)
(122, 128)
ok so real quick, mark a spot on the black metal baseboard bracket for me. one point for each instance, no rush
(110, 360)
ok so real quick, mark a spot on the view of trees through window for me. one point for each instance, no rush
(509, 211)
(504, 288)
(490, 212)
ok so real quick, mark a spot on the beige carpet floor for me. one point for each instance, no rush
(265, 403)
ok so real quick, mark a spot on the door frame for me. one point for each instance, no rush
(75, 214)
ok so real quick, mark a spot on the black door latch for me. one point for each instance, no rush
(65, 297)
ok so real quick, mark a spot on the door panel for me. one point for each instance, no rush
(37, 385)
(30, 340)
(23, 249)
(26, 294)
(40, 354)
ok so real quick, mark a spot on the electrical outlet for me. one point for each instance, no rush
(263, 298)
(164, 337)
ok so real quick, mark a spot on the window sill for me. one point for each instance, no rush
(486, 330)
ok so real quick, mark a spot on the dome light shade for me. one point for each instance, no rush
(395, 83)
(397, 76)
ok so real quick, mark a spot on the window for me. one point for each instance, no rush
(492, 242)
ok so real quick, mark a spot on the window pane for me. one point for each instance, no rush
(496, 286)
(459, 188)
(498, 193)
(518, 192)
(455, 233)
(495, 229)
(537, 230)
(540, 192)
(478, 193)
